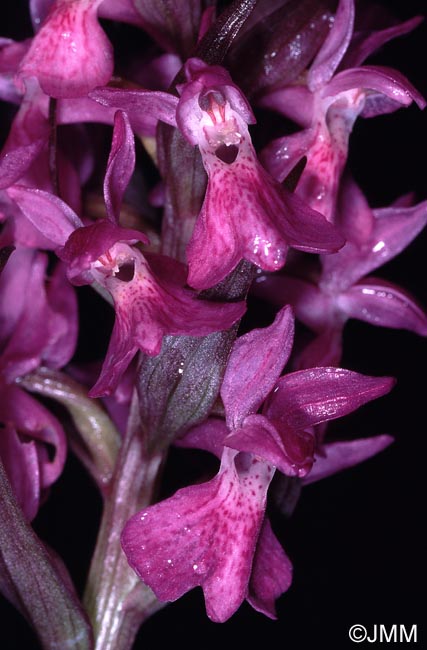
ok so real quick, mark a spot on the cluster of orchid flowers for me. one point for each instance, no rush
(286, 223)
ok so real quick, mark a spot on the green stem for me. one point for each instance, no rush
(116, 600)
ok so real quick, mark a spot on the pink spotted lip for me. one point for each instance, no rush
(71, 54)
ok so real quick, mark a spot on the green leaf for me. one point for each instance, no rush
(32, 581)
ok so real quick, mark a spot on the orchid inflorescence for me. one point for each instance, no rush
(184, 226)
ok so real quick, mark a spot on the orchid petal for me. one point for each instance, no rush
(120, 166)
(88, 244)
(355, 217)
(383, 304)
(280, 156)
(35, 331)
(394, 228)
(34, 421)
(15, 163)
(173, 25)
(11, 53)
(204, 535)
(271, 573)
(152, 304)
(209, 436)
(83, 109)
(71, 54)
(338, 456)
(14, 281)
(334, 47)
(255, 364)
(308, 397)
(27, 137)
(386, 81)
(325, 349)
(144, 107)
(122, 11)
(274, 220)
(21, 463)
(203, 80)
(312, 307)
(51, 216)
(258, 436)
(62, 301)
(367, 45)
(294, 102)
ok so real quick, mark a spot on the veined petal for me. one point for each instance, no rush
(337, 456)
(308, 397)
(271, 573)
(394, 228)
(120, 165)
(384, 304)
(51, 216)
(333, 48)
(205, 535)
(292, 454)
(144, 107)
(386, 81)
(255, 364)
(364, 46)
(83, 109)
(71, 54)
(14, 163)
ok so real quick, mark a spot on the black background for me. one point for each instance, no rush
(356, 540)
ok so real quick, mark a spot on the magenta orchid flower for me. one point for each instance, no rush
(215, 535)
(148, 291)
(71, 54)
(343, 290)
(245, 214)
(38, 327)
(328, 105)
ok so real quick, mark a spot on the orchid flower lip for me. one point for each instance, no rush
(131, 168)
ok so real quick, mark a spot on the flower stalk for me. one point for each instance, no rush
(116, 601)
